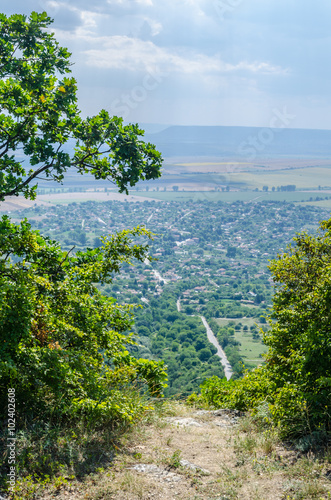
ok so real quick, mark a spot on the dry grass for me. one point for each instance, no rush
(244, 462)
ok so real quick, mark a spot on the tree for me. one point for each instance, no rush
(81, 237)
(39, 116)
(299, 340)
(295, 381)
(97, 243)
(231, 252)
(204, 354)
(62, 345)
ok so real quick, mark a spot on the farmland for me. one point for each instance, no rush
(232, 196)
(250, 348)
(186, 179)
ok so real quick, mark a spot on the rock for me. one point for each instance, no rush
(221, 412)
(225, 412)
(158, 472)
(221, 423)
(228, 417)
(188, 465)
(184, 422)
(226, 421)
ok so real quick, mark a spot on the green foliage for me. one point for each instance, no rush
(63, 345)
(50, 454)
(241, 394)
(175, 459)
(299, 340)
(39, 115)
(296, 379)
(181, 341)
(63, 349)
(118, 406)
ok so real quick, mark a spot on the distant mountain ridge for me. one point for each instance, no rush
(247, 143)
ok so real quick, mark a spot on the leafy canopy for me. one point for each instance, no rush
(295, 382)
(40, 121)
(63, 345)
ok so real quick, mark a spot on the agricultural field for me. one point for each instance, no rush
(232, 196)
(250, 348)
(321, 203)
(207, 180)
(66, 197)
(69, 197)
(215, 166)
(240, 177)
(303, 178)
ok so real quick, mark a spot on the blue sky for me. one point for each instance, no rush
(198, 62)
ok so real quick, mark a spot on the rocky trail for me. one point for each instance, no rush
(192, 454)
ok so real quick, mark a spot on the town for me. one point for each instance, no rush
(210, 259)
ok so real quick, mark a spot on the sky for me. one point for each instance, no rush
(197, 62)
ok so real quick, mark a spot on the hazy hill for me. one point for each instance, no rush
(242, 142)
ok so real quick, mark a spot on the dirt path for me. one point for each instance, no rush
(192, 454)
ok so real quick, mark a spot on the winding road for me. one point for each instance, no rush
(224, 360)
(210, 334)
(156, 273)
(213, 340)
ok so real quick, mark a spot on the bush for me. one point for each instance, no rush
(64, 347)
(295, 382)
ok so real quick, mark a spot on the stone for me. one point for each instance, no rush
(184, 422)
(196, 468)
(154, 470)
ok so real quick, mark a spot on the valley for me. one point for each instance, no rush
(210, 260)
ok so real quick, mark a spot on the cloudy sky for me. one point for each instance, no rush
(198, 62)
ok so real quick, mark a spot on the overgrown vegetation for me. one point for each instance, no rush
(63, 346)
(63, 355)
(295, 382)
(180, 341)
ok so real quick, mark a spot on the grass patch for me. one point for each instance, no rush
(250, 349)
(47, 457)
(247, 460)
(303, 178)
(321, 203)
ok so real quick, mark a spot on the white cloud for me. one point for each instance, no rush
(90, 21)
(128, 3)
(262, 53)
(123, 52)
